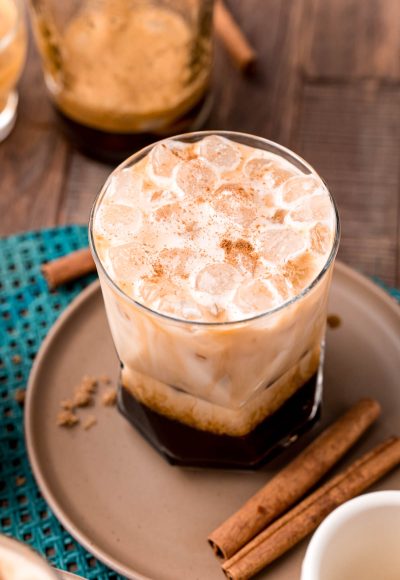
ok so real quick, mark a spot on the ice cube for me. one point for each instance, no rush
(176, 262)
(195, 178)
(280, 243)
(160, 197)
(279, 283)
(300, 271)
(118, 223)
(299, 186)
(256, 167)
(321, 238)
(254, 296)
(217, 279)
(180, 306)
(236, 201)
(128, 262)
(163, 159)
(169, 299)
(220, 152)
(315, 208)
(125, 187)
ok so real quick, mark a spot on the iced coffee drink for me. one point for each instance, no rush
(215, 254)
(121, 70)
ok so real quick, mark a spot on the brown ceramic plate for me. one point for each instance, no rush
(69, 575)
(123, 502)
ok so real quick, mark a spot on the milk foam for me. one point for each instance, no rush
(213, 231)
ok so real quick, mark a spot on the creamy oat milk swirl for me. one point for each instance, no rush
(215, 254)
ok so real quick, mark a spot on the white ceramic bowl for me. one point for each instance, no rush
(360, 540)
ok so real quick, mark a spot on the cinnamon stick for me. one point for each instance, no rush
(68, 268)
(305, 517)
(291, 484)
(237, 45)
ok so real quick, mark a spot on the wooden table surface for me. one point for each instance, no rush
(327, 86)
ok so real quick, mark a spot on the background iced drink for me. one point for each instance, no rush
(215, 259)
(12, 57)
(119, 70)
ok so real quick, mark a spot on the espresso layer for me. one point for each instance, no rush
(206, 416)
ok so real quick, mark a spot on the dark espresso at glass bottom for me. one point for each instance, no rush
(188, 446)
(115, 147)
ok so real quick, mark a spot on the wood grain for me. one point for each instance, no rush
(352, 137)
(354, 39)
(32, 159)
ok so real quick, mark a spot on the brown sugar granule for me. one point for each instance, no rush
(16, 359)
(109, 397)
(67, 418)
(67, 404)
(19, 396)
(82, 399)
(20, 480)
(84, 391)
(334, 321)
(88, 384)
(89, 422)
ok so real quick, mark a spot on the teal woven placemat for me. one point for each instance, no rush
(27, 311)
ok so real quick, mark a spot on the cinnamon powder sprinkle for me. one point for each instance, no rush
(240, 253)
(279, 216)
(158, 270)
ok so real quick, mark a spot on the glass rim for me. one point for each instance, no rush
(9, 36)
(200, 134)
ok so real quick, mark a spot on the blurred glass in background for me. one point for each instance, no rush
(13, 41)
(122, 73)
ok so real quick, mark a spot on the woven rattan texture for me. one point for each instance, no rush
(27, 311)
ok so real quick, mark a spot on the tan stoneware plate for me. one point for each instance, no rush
(69, 576)
(123, 502)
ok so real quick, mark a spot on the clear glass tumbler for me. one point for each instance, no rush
(13, 41)
(226, 394)
(123, 73)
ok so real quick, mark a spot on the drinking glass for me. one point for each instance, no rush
(13, 41)
(123, 73)
(226, 394)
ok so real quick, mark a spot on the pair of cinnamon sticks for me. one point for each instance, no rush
(258, 533)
